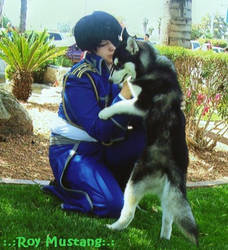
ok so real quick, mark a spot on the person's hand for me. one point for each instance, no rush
(125, 91)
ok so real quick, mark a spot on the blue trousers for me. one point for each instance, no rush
(95, 174)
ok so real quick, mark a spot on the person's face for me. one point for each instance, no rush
(146, 38)
(106, 50)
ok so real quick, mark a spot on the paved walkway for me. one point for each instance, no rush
(222, 181)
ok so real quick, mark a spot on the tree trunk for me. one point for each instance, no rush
(23, 16)
(1, 9)
(176, 23)
(145, 24)
(22, 85)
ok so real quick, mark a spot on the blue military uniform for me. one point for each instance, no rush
(91, 158)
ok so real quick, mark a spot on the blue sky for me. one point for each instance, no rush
(47, 13)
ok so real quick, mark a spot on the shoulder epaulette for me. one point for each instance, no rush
(82, 68)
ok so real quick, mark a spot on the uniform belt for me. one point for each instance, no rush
(56, 139)
(62, 140)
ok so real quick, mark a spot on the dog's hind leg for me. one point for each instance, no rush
(167, 216)
(176, 208)
(132, 195)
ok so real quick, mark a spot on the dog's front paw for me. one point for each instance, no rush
(104, 114)
(115, 226)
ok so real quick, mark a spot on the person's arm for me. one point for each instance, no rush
(83, 108)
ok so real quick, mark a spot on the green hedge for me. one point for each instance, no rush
(214, 42)
(203, 76)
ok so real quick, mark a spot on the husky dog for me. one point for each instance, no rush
(163, 165)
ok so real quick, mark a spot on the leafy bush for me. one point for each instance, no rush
(9, 72)
(214, 42)
(25, 53)
(38, 75)
(61, 61)
(204, 80)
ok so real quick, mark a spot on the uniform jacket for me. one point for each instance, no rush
(82, 101)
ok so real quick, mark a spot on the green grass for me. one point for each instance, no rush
(26, 212)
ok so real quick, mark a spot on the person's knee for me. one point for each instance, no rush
(100, 185)
(115, 208)
(110, 209)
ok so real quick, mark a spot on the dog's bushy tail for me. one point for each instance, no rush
(186, 223)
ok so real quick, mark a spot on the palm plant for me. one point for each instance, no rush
(25, 54)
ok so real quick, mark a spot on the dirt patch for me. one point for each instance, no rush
(207, 165)
(26, 157)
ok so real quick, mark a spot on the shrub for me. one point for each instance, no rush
(62, 61)
(204, 80)
(214, 42)
(25, 54)
(9, 72)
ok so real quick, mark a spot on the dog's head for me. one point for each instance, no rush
(131, 59)
(144, 64)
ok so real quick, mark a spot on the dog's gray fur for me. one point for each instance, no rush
(163, 166)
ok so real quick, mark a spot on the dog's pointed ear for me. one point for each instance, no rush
(132, 46)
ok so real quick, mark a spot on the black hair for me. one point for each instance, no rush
(147, 35)
(90, 30)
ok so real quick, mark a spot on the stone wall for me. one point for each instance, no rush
(55, 74)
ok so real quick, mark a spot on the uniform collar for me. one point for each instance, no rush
(97, 62)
